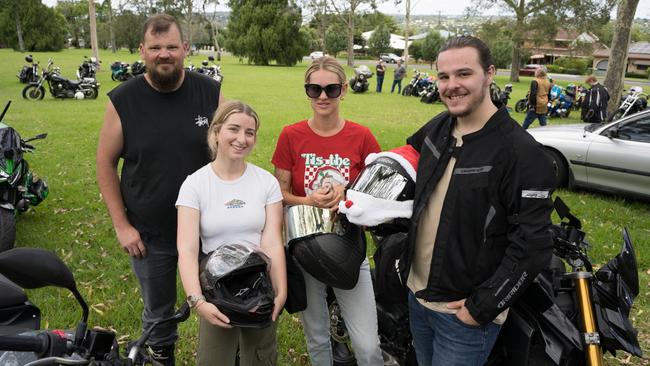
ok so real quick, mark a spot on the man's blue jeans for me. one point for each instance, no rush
(443, 340)
(399, 86)
(530, 118)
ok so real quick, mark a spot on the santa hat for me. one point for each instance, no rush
(366, 210)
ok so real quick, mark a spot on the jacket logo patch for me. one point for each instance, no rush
(476, 170)
(534, 194)
(201, 121)
(235, 203)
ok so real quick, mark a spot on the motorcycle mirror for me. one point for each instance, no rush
(565, 213)
(37, 137)
(32, 268)
(5, 110)
(628, 267)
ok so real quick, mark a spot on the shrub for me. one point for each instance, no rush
(576, 65)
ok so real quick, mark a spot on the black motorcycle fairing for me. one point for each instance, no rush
(615, 286)
(11, 294)
(10, 148)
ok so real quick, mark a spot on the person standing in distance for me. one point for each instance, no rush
(481, 213)
(380, 71)
(400, 72)
(157, 124)
(538, 97)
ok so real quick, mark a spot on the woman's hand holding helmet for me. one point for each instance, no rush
(278, 305)
(328, 196)
(212, 314)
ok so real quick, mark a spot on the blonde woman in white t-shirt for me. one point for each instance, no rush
(231, 200)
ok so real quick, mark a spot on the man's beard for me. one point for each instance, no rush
(471, 107)
(165, 82)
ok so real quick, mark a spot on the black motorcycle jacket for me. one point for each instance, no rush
(493, 237)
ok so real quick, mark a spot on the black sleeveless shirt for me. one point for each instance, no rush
(164, 141)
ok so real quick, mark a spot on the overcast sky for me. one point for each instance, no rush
(446, 7)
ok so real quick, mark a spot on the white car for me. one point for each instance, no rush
(612, 157)
(316, 55)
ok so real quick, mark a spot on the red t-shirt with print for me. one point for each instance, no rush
(315, 160)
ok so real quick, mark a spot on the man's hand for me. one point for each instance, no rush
(462, 313)
(131, 242)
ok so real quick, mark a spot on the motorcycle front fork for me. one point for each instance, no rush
(589, 328)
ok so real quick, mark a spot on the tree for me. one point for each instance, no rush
(617, 64)
(76, 17)
(379, 41)
(415, 50)
(40, 27)
(431, 45)
(128, 26)
(346, 10)
(266, 30)
(541, 17)
(335, 40)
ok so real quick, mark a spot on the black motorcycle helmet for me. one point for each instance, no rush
(235, 279)
(332, 258)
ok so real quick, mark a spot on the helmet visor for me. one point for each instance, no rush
(382, 179)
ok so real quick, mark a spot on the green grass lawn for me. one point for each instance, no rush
(74, 223)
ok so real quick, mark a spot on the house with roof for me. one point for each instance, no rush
(638, 58)
(565, 43)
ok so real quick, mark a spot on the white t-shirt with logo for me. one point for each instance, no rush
(231, 211)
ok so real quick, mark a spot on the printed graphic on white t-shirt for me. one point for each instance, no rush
(325, 171)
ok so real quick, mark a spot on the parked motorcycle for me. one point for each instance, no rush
(633, 102)
(88, 68)
(19, 186)
(564, 318)
(211, 69)
(22, 341)
(522, 105)
(120, 71)
(431, 94)
(29, 73)
(418, 84)
(359, 83)
(138, 67)
(61, 87)
(504, 96)
(562, 104)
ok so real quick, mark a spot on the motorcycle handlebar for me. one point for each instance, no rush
(38, 343)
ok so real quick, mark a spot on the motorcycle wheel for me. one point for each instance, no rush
(91, 93)
(520, 106)
(7, 229)
(566, 113)
(618, 114)
(407, 90)
(33, 92)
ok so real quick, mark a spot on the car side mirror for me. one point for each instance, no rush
(612, 133)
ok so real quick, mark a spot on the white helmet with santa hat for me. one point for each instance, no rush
(384, 189)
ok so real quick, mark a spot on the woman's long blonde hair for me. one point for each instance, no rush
(221, 115)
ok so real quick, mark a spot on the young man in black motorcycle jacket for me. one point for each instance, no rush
(157, 124)
(594, 105)
(479, 231)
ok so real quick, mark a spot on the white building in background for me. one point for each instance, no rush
(397, 42)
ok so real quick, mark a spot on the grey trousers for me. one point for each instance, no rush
(156, 273)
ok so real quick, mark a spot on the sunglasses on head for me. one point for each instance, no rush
(331, 90)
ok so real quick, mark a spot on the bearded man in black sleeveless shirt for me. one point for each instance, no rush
(157, 124)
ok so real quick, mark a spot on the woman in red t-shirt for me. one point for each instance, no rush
(314, 160)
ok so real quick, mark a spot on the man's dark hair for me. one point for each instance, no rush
(484, 54)
(160, 23)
